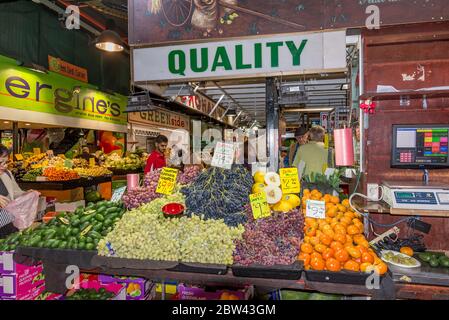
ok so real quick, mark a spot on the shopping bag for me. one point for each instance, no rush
(24, 209)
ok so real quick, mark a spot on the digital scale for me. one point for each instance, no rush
(416, 195)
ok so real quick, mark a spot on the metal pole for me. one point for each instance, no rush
(15, 137)
(361, 114)
(235, 120)
(216, 106)
(272, 119)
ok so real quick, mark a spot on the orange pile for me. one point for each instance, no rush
(337, 242)
(60, 174)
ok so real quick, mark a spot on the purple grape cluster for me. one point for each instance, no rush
(151, 179)
(271, 241)
(189, 175)
(136, 197)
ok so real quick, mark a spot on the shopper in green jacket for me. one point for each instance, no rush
(313, 153)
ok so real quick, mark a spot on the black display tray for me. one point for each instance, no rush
(64, 185)
(50, 185)
(121, 172)
(218, 269)
(344, 277)
(80, 258)
(290, 272)
(121, 263)
(93, 181)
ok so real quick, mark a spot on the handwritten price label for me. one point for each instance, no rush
(259, 205)
(289, 180)
(118, 194)
(223, 155)
(167, 181)
(37, 150)
(92, 162)
(316, 209)
(19, 157)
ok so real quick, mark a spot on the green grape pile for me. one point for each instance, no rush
(144, 233)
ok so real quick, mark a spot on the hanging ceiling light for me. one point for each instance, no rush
(232, 112)
(109, 41)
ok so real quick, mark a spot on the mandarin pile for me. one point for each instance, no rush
(337, 242)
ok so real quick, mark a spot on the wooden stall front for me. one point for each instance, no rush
(409, 58)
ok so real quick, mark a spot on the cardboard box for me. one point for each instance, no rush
(44, 295)
(65, 195)
(69, 206)
(33, 294)
(22, 283)
(170, 287)
(136, 288)
(89, 277)
(9, 266)
(197, 293)
(118, 289)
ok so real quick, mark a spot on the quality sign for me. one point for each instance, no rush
(268, 56)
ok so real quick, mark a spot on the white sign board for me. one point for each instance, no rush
(273, 55)
(316, 209)
(118, 194)
(324, 118)
(223, 155)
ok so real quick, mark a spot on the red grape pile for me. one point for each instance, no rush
(271, 241)
(136, 197)
(147, 193)
(189, 175)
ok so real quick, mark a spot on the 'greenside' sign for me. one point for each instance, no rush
(242, 58)
(28, 90)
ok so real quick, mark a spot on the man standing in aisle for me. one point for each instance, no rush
(313, 153)
(301, 139)
(156, 160)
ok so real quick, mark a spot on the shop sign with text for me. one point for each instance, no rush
(161, 118)
(240, 58)
(202, 104)
(25, 89)
(67, 69)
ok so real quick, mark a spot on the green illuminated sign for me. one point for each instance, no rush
(25, 89)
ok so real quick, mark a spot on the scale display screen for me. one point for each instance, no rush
(415, 198)
(420, 146)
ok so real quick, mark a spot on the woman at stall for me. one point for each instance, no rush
(313, 154)
(9, 190)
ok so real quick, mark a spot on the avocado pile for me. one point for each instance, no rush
(434, 259)
(91, 294)
(80, 230)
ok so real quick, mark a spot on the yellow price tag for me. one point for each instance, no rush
(259, 205)
(167, 181)
(19, 157)
(92, 162)
(290, 180)
(37, 150)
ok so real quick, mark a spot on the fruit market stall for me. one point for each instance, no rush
(59, 177)
(223, 235)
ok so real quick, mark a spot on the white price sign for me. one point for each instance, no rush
(223, 155)
(118, 194)
(316, 209)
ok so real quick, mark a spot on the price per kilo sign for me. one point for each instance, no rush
(118, 194)
(316, 209)
(259, 205)
(289, 180)
(167, 181)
